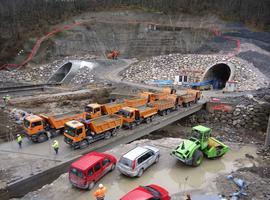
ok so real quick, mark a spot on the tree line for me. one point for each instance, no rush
(21, 19)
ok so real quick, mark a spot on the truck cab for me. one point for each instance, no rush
(33, 126)
(93, 110)
(129, 115)
(74, 133)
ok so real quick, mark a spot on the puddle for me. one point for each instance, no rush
(177, 177)
(169, 173)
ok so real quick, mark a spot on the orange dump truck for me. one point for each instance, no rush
(95, 110)
(191, 96)
(81, 134)
(164, 106)
(151, 96)
(39, 128)
(135, 116)
(136, 102)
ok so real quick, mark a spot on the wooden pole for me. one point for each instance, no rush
(267, 139)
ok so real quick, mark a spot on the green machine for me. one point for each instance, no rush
(191, 151)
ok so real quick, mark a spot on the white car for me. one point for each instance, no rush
(134, 162)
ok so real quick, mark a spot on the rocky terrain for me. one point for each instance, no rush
(166, 67)
(37, 74)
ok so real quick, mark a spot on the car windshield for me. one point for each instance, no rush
(88, 109)
(26, 123)
(124, 113)
(76, 172)
(126, 161)
(70, 131)
(153, 191)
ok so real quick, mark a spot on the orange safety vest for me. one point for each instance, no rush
(100, 192)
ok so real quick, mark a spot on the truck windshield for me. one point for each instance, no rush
(76, 172)
(89, 109)
(70, 131)
(26, 123)
(124, 113)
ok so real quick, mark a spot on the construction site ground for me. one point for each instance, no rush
(130, 29)
(42, 152)
(178, 178)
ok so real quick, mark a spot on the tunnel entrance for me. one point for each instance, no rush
(219, 74)
(61, 73)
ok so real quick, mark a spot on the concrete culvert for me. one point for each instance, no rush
(66, 72)
(61, 73)
(220, 73)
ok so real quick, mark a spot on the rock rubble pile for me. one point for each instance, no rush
(36, 74)
(248, 116)
(168, 66)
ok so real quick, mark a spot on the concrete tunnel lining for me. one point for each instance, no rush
(61, 73)
(220, 72)
(68, 70)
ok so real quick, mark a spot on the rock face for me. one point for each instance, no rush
(168, 66)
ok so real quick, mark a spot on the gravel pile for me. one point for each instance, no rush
(84, 76)
(168, 66)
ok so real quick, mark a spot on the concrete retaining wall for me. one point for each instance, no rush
(21, 187)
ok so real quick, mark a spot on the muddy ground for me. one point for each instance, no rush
(169, 173)
(27, 163)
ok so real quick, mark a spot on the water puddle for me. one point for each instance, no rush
(177, 177)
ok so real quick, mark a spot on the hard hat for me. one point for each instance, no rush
(100, 185)
(55, 141)
(18, 135)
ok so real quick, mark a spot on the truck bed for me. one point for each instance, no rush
(105, 123)
(62, 115)
(104, 119)
(163, 104)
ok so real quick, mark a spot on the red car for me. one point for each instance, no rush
(150, 192)
(87, 170)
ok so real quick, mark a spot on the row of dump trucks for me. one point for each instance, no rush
(104, 120)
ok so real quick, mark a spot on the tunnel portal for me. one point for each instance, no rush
(219, 73)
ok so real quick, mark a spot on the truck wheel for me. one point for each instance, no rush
(163, 112)
(114, 132)
(177, 107)
(147, 120)
(91, 185)
(168, 112)
(42, 138)
(197, 158)
(184, 105)
(108, 135)
(132, 125)
(152, 118)
(83, 144)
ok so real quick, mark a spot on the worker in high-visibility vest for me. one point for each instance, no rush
(19, 140)
(100, 192)
(6, 99)
(55, 146)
